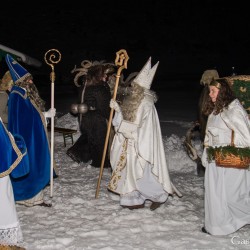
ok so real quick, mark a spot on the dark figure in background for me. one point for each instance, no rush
(6, 84)
(96, 95)
(199, 127)
(207, 77)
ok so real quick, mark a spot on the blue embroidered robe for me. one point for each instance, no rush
(10, 154)
(28, 121)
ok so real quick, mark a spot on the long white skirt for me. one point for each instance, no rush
(10, 231)
(227, 199)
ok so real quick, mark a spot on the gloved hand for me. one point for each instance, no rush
(128, 135)
(50, 113)
(128, 129)
(114, 105)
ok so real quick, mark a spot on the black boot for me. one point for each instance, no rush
(155, 205)
(203, 230)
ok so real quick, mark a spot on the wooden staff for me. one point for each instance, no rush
(51, 58)
(121, 61)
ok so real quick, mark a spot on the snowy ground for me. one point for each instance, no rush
(77, 220)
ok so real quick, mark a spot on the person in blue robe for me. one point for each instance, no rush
(27, 117)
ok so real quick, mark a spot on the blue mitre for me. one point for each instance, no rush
(18, 72)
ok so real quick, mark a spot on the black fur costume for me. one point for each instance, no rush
(90, 144)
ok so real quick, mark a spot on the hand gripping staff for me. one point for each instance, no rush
(52, 57)
(121, 62)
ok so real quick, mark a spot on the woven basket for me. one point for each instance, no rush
(230, 160)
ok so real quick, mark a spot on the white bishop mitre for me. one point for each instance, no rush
(146, 75)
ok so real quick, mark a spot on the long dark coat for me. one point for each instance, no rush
(93, 126)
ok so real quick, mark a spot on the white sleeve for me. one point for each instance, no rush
(117, 119)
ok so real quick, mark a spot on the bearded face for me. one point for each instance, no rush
(32, 92)
(132, 101)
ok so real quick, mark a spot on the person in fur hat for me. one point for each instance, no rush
(95, 96)
(137, 157)
(27, 117)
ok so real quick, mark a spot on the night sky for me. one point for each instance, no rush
(187, 37)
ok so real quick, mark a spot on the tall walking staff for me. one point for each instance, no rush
(52, 57)
(121, 62)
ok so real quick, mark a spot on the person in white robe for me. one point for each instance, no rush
(137, 157)
(10, 158)
(227, 190)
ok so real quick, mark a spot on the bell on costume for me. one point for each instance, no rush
(81, 108)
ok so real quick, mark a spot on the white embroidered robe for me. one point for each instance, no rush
(227, 190)
(139, 165)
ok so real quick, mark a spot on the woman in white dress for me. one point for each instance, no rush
(11, 156)
(227, 190)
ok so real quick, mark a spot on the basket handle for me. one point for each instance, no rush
(232, 138)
